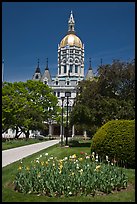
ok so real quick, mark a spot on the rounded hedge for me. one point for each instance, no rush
(116, 139)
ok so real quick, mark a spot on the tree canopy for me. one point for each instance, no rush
(25, 105)
(110, 95)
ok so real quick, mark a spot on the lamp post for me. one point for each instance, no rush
(67, 94)
(62, 98)
(50, 120)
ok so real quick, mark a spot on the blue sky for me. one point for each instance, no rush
(32, 30)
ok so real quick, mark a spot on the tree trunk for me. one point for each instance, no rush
(27, 134)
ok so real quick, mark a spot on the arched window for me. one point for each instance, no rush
(71, 60)
(76, 61)
(37, 76)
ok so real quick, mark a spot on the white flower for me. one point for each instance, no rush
(40, 156)
(46, 154)
(81, 171)
(77, 167)
(96, 158)
(70, 193)
(87, 165)
(106, 158)
(87, 157)
(93, 153)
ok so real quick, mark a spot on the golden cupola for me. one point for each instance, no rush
(71, 39)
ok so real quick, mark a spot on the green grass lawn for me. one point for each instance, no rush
(9, 172)
(8, 144)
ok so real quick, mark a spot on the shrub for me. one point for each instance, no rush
(116, 139)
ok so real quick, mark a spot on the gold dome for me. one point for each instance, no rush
(71, 40)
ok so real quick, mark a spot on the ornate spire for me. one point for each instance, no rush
(71, 24)
(37, 75)
(38, 69)
(90, 63)
(47, 65)
(46, 76)
(89, 75)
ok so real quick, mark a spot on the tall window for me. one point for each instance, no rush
(65, 70)
(76, 68)
(71, 66)
(58, 94)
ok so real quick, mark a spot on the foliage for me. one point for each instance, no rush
(68, 177)
(110, 96)
(117, 140)
(25, 105)
(80, 116)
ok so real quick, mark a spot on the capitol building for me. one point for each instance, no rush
(70, 70)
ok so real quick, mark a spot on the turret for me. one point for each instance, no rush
(89, 74)
(46, 78)
(37, 75)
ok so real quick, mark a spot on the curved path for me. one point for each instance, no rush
(11, 155)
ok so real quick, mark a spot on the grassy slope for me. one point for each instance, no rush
(8, 174)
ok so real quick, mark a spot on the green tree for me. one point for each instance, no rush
(25, 106)
(111, 95)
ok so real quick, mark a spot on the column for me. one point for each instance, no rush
(73, 131)
(50, 129)
(85, 134)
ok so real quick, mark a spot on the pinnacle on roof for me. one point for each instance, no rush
(90, 64)
(47, 65)
(38, 69)
(89, 74)
(71, 24)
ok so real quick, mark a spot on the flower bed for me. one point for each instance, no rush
(73, 175)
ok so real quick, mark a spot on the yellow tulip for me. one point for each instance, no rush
(19, 168)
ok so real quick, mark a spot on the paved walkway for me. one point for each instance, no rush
(11, 155)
